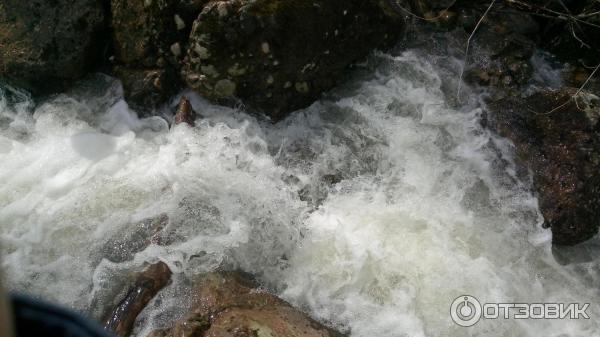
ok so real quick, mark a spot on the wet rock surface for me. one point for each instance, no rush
(147, 284)
(557, 136)
(45, 45)
(278, 56)
(134, 238)
(230, 304)
(185, 113)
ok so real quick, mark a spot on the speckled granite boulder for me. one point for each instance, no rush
(276, 55)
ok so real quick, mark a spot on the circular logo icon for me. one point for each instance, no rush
(465, 310)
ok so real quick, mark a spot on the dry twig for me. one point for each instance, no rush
(462, 71)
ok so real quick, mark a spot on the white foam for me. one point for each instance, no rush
(427, 207)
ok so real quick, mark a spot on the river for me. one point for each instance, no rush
(372, 210)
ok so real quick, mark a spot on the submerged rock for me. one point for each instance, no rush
(229, 304)
(133, 239)
(45, 45)
(277, 56)
(557, 136)
(147, 284)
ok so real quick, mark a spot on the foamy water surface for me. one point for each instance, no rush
(371, 210)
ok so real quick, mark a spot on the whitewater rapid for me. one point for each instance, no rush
(372, 210)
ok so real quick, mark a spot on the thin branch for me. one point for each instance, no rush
(587, 15)
(583, 44)
(575, 95)
(557, 15)
(462, 71)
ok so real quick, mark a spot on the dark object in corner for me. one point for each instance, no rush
(34, 318)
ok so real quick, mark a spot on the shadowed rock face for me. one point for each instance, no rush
(44, 45)
(277, 56)
(229, 304)
(146, 88)
(561, 147)
(148, 39)
(146, 30)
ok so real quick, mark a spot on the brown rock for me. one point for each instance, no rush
(558, 138)
(229, 304)
(148, 283)
(185, 113)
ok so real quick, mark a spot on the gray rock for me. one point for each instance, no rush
(45, 45)
(134, 238)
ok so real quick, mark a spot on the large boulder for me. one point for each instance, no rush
(230, 304)
(45, 45)
(276, 55)
(557, 136)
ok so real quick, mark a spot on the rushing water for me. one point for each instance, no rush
(372, 209)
